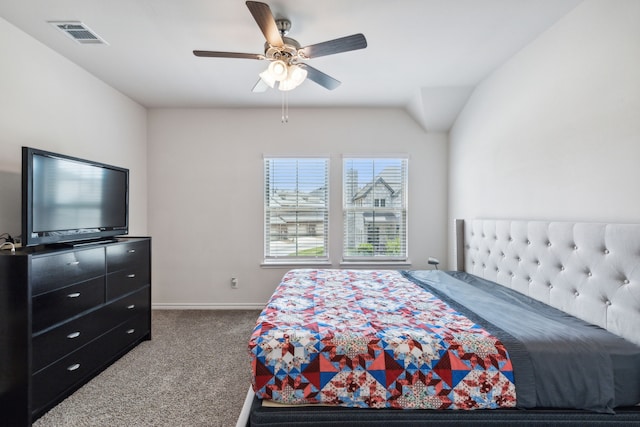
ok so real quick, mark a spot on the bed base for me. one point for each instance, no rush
(311, 416)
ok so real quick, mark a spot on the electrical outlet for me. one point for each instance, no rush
(234, 282)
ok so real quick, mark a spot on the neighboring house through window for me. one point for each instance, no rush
(375, 209)
(296, 209)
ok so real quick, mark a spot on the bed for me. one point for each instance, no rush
(538, 325)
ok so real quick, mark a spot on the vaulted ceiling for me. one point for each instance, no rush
(423, 55)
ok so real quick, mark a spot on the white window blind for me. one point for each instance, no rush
(296, 209)
(375, 209)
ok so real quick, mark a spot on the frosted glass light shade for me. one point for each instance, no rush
(288, 76)
(278, 70)
(297, 74)
(295, 77)
(268, 78)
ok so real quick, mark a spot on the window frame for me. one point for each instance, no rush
(301, 228)
(360, 207)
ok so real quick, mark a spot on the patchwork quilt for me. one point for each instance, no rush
(363, 338)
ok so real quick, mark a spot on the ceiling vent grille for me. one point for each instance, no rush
(78, 32)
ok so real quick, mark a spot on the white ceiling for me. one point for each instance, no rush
(421, 53)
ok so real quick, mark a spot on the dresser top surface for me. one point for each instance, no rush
(61, 248)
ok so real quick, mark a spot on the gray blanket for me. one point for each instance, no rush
(559, 361)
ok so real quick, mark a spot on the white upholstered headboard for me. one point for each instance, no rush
(589, 270)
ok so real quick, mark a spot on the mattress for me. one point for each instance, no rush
(374, 339)
(559, 361)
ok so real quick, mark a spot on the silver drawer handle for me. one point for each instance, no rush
(73, 263)
(73, 335)
(131, 307)
(73, 367)
(130, 331)
(131, 276)
(74, 295)
(131, 251)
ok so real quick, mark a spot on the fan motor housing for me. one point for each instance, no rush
(288, 51)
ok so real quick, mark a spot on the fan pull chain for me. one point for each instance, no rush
(285, 107)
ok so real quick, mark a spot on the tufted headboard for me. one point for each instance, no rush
(589, 270)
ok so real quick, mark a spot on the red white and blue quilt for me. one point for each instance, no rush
(374, 339)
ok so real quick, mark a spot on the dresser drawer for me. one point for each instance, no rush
(125, 281)
(49, 272)
(54, 381)
(127, 333)
(68, 337)
(49, 383)
(130, 306)
(123, 256)
(62, 304)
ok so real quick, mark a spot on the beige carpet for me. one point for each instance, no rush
(194, 372)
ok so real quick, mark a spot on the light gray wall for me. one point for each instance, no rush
(206, 192)
(555, 132)
(50, 103)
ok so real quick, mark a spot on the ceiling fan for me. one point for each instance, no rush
(287, 68)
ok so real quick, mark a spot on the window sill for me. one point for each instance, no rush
(376, 264)
(295, 264)
(328, 264)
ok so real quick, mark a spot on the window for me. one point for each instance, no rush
(296, 209)
(375, 209)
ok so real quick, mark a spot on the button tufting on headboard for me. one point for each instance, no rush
(589, 270)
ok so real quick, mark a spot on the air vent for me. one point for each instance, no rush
(78, 32)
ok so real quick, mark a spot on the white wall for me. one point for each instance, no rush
(50, 103)
(206, 199)
(555, 132)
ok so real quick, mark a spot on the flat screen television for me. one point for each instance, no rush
(70, 200)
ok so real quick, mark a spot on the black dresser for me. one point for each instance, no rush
(65, 315)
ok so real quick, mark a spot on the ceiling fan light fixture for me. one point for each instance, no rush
(296, 75)
(278, 70)
(286, 85)
(267, 77)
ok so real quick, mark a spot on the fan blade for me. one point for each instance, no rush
(213, 54)
(267, 23)
(343, 44)
(321, 78)
(260, 86)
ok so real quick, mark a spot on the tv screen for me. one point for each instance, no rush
(67, 199)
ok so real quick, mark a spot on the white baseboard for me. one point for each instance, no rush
(198, 306)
